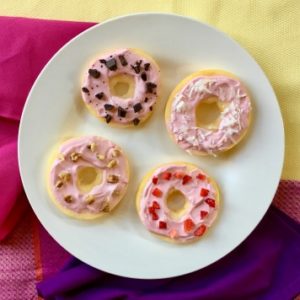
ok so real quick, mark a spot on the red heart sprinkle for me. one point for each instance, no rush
(166, 175)
(186, 179)
(154, 216)
(201, 176)
(204, 192)
(188, 225)
(203, 214)
(154, 180)
(151, 209)
(200, 231)
(157, 192)
(210, 202)
(155, 205)
(162, 225)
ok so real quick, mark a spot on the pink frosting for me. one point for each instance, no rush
(191, 190)
(127, 61)
(104, 193)
(234, 119)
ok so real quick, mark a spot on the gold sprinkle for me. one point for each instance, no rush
(106, 208)
(92, 147)
(115, 153)
(61, 156)
(68, 198)
(65, 176)
(90, 199)
(112, 164)
(112, 179)
(100, 156)
(116, 193)
(59, 184)
(75, 156)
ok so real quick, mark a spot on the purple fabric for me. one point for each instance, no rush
(265, 266)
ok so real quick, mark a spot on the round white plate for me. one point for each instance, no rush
(248, 176)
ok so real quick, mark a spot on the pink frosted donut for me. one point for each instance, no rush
(88, 176)
(189, 222)
(119, 66)
(226, 131)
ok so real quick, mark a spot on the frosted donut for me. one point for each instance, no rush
(88, 177)
(187, 223)
(106, 80)
(225, 132)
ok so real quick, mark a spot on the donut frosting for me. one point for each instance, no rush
(92, 152)
(233, 122)
(202, 210)
(98, 97)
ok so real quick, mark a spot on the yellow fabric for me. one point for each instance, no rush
(268, 29)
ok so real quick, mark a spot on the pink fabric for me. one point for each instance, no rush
(287, 198)
(26, 46)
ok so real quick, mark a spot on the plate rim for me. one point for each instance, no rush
(94, 27)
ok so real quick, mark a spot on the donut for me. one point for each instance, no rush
(186, 223)
(122, 87)
(88, 177)
(231, 98)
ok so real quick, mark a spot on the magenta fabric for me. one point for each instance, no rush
(25, 47)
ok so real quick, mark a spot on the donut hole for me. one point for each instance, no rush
(87, 178)
(176, 203)
(208, 113)
(122, 86)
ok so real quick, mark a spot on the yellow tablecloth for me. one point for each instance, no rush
(268, 29)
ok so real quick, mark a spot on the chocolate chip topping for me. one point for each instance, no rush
(85, 90)
(100, 95)
(136, 121)
(137, 66)
(108, 118)
(123, 60)
(103, 61)
(121, 112)
(111, 64)
(150, 86)
(146, 66)
(144, 76)
(94, 73)
(137, 107)
(108, 107)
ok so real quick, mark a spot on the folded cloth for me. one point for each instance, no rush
(265, 266)
(26, 46)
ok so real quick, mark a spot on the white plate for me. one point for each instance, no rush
(248, 177)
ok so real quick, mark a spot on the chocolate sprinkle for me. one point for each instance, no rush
(111, 64)
(99, 95)
(85, 90)
(108, 107)
(146, 66)
(136, 121)
(94, 73)
(123, 60)
(137, 107)
(103, 61)
(137, 67)
(151, 108)
(144, 76)
(108, 118)
(121, 112)
(150, 86)
(146, 100)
